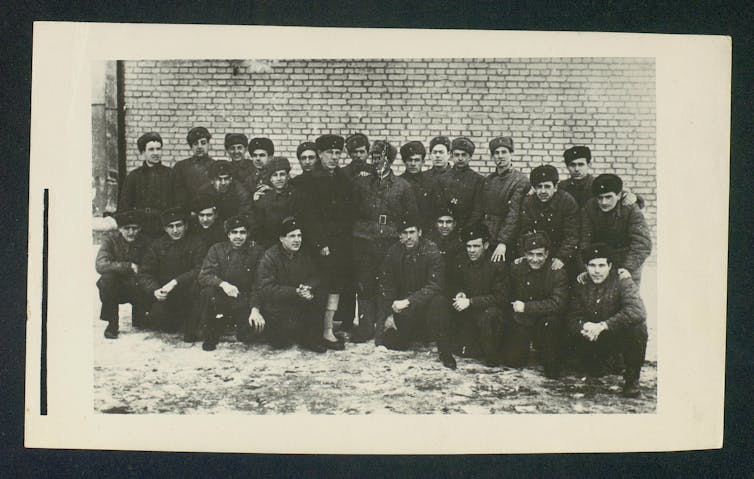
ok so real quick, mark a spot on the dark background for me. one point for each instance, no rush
(734, 18)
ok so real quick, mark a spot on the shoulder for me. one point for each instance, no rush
(566, 198)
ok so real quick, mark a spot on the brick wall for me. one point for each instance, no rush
(546, 105)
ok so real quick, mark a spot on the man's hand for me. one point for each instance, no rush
(260, 191)
(324, 251)
(628, 198)
(390, 323)
(400, 305)
(499, 253)
(305, 291)
(461, 303)
(168, 287)
(518, 306)
(229, 289)
(556, 264)
(591, 331)
(256, 321)
(624, 273)
(135, 268)
(519, 260)
(581, 278)
(160, 295)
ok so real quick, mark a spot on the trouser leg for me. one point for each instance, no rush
(550, 334)
(465, 333)
(516, 340)
(634, 352)
(240, 310)
(110, 290)
(437, 314)
(209, 308)
(490, 332)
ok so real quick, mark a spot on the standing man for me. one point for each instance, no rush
(411, 299)
(191, 173)
(227, 279)
(261, 150)
(357, 146)
(502, 193)
(235, 148)
(604, 219)
(306, 153)
(329, 218)
(292, 303)
(540, 297)
(553, 212)
(118, 261)
(480, 292)
(439, 151)
(426, 188)
(277, 204)
(461, 186)
(381, 202)
(230, 197)
(148, 188)
(205, 225)
(608, 316)
(168, 275)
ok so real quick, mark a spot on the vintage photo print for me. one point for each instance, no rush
(447, 234)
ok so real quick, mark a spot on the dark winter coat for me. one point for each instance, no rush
(559, 218)
(208, 236)
(280, 274)
(616, 301)
(390, 198)
(543, 291)
(427, 194)
(416, 274)
(148, 188)
(328, 212)
(190, 176)
(461, 187)
(580, 190)
(485, 283)
(167, 259)
(115, 255)
(354, 170)
(237, 266)
(270, 210)
(500, 205)
(235, 201)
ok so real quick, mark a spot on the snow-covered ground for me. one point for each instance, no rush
(151, 372)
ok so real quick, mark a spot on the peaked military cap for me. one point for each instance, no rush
(357, 140)
(278, 163)
(535, 239)
(141, 143)
(262, 143)
(287, 225)
(413, 148)
(475, 231)
(234, 222)
(607, 183)
(307, 145)
(329, 142)
(543, 173)
(220, 167)
(196, 133)
(577, 152)
(505, 141)
(130, 217)
(597, 250)
(439, 140)
(176, 213)
(464, 144)
(235, 139)
(382, 147)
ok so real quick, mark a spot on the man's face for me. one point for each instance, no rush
(359, 155)
(221, 183)
(545, 190)
(379, 162)
(237, 236)
(414, 163)
(445, 225)
(207, 217)
(292, 241)
(598, 269)
(200, 147)
(502, 157)
(439, 156)
(279, 179)
(236, 152)
(176, 230)
(536, 257)
(330, 158)
(152, 153)
(129, 232)
(476, 248)
(260, 158)
(461, 158)
(410, 236)
(307, 160)
(607, 201)
(578, 168)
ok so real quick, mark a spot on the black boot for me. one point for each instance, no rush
(111, 331)
(448, 360)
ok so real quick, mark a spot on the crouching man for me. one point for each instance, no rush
(411, 293)
(607, 316)
(292, 303)
(540, 298)
(118, 261)
(168, 274)
(227, 279)
(479, 290)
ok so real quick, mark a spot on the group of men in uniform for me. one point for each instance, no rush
(485, 266)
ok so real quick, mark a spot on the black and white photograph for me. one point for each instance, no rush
(448, 236)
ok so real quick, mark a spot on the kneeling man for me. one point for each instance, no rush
(480, 292)
(607, 316)
(292, 302)
(540, 298)
(227, 279)
(411, 293)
